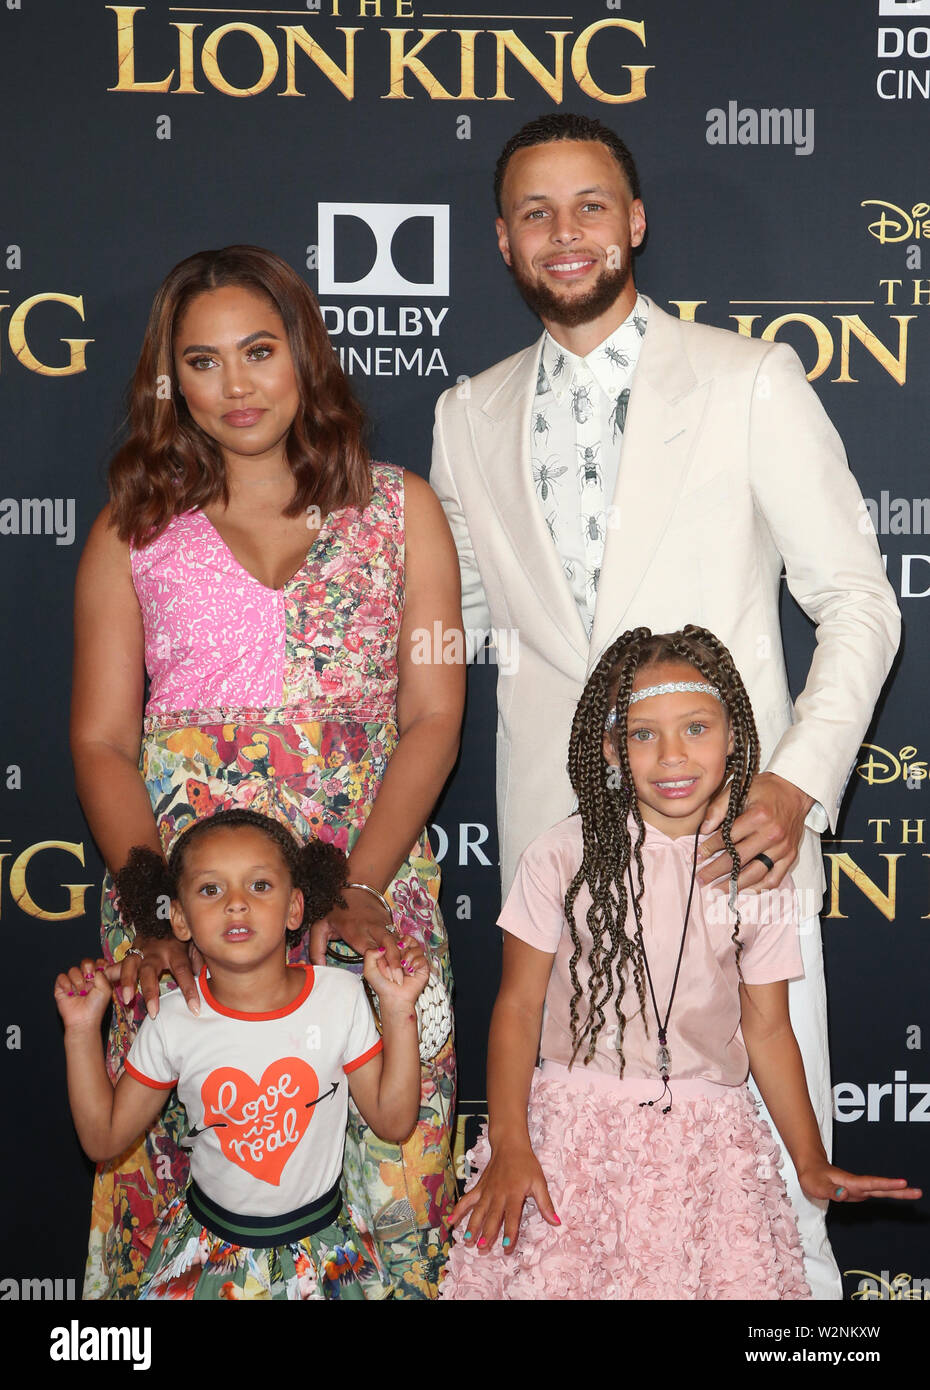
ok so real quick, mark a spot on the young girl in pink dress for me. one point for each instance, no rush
(264, 1067)
(648, 998)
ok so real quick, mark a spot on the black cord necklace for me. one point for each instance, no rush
(663, 1056)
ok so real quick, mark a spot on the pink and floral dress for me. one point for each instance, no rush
(282, 701)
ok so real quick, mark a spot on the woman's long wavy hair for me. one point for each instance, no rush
(167, 464)
(607, 801)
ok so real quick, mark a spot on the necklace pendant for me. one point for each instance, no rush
(663, 1061)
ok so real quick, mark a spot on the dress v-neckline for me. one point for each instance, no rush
(248, 573)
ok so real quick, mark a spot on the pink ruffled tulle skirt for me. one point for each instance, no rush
(688, 1205)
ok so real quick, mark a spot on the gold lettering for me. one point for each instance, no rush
(21, 895)
(821, 337)
(22, 349)
(687, 308)
(845, 864)
(186, 58)
(900, 225)
(879, 821)
(401, 61)
(403, 9)
(921, 287)
(582, 73)
(912, 832)
(744, 323)
(884, 768)
(211, 65)
(891, 289)
(125, 54)
(467, 37)
(896, 367)
(551, 82)
(342, 79)
(365, 10)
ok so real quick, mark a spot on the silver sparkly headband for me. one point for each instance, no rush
(669, 688)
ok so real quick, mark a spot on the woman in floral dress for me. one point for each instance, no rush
(275, 586)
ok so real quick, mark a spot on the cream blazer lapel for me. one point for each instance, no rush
(500, 436)
(663, 424)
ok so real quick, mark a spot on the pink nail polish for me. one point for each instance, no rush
(556, 1219)
(482, 1241)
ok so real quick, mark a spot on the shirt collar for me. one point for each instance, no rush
(611, 363)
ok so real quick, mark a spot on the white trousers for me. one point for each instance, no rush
(807, 1003)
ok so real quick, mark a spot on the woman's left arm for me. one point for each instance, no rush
(775, 1062)
(430, 701)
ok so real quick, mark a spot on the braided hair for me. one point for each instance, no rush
(317, 869)
(607, 800)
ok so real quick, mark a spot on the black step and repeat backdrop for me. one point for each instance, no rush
(783, 151)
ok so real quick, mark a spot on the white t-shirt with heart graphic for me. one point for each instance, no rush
(266, 1095)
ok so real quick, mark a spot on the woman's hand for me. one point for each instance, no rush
(363, 925)
(823, 1180)
(497, 1199)
(162, 955)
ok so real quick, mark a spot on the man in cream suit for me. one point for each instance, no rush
(629, 469)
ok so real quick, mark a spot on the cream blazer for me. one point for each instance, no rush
(730, 474)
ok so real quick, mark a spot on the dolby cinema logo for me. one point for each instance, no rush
(904, 9)
(384, 249)
(392, 261)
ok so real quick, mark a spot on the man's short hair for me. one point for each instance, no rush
(566, 125)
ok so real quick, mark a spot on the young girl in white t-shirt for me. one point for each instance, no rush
(264, 1069)
(648, 998)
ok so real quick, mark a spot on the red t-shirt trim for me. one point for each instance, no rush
(365, 1057)
(147, 1080)
(219, 1008)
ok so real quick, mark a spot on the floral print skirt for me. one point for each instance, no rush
(320, 777)
(189, 1262)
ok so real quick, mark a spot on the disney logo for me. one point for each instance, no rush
(883, 766)
(896, 224)
(903, 1288)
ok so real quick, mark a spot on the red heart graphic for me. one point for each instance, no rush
(259, 1124)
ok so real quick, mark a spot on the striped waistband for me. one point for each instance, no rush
(260, 1232)
(284, 716)
(636, 1088)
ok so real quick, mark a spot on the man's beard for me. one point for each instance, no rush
(550, 306)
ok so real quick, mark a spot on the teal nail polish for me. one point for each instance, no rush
(468, 1235)
(505, 1241)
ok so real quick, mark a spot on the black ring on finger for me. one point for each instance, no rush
(764, 859)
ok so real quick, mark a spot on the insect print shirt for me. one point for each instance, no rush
(579, 414)
(266, 1095)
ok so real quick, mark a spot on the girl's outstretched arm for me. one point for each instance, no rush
(106, 1118)
(775, 1062)
(513, 1173)
(387, 1089)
